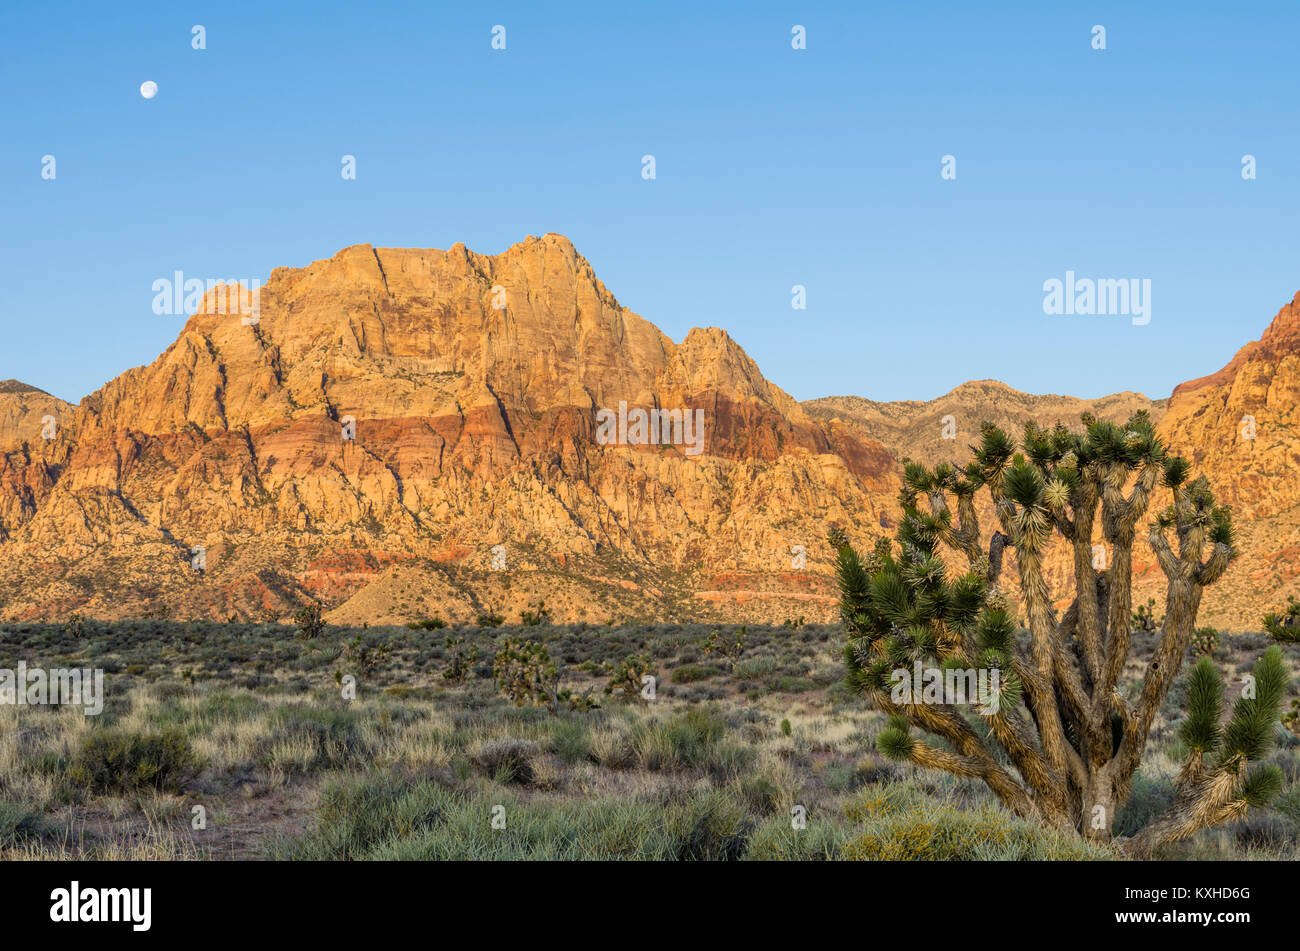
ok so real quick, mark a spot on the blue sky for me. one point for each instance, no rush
(775, 167)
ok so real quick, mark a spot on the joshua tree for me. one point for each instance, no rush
(1061, 738)
(1285, 625)
(525, 673)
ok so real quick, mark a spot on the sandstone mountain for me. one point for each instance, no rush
(398, 433)
(1241, 426)
(942, 430)
(219, 480)
(28, 417)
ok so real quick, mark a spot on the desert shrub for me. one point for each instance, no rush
(874, 768)
(712, 827)
(359, 812)
(119, 761)
(693, 673)
(760, 794)
(1150, 796)
(788, 684)
(385, 819)
(940, 832)
(682, 740)
(724, 761)
(774, 840)
(506, 759)
(841, 777)
(308, 738)
(756, 668)
(612, 748)
(226, 707)
(571, 741)
(19, 824)
(1264, 835)
(1287, 804)
(428, 624)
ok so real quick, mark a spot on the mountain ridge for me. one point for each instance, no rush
(388, 423)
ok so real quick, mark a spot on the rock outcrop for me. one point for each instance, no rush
(392, 414)
(397, 433)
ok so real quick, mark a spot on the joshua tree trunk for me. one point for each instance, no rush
(1073, 733)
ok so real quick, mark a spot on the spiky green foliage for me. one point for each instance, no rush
(1065, 735)
(524, 672)
(895, 740)
(1263, 783)
(1284, 626)
(1201, 731)
(627, 676)
(1205, 641)
(1250, 731)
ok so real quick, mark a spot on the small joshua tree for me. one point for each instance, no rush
(525, 673)
(732, 648)
(536, 615)
(1284, 626)
(626, 677)
(1205, 642)
(459, 661)
(1214, 784)
(1061, 738)
(366, 657)
(1144, 618)
(309, 621)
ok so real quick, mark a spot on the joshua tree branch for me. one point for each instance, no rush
(1213, 799)
(997, 545)
(972, 759)
(1008, 791)
(1214, 566)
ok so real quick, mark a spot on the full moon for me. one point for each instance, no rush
(149, 89)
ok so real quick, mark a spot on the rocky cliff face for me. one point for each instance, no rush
(1241, 426)
(1243, 423)
(943, 429)
(29, 426)
(397, 433)
(382, 421)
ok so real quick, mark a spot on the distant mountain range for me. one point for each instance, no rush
(399, 433)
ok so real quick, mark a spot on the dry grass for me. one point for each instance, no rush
(284, 766)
